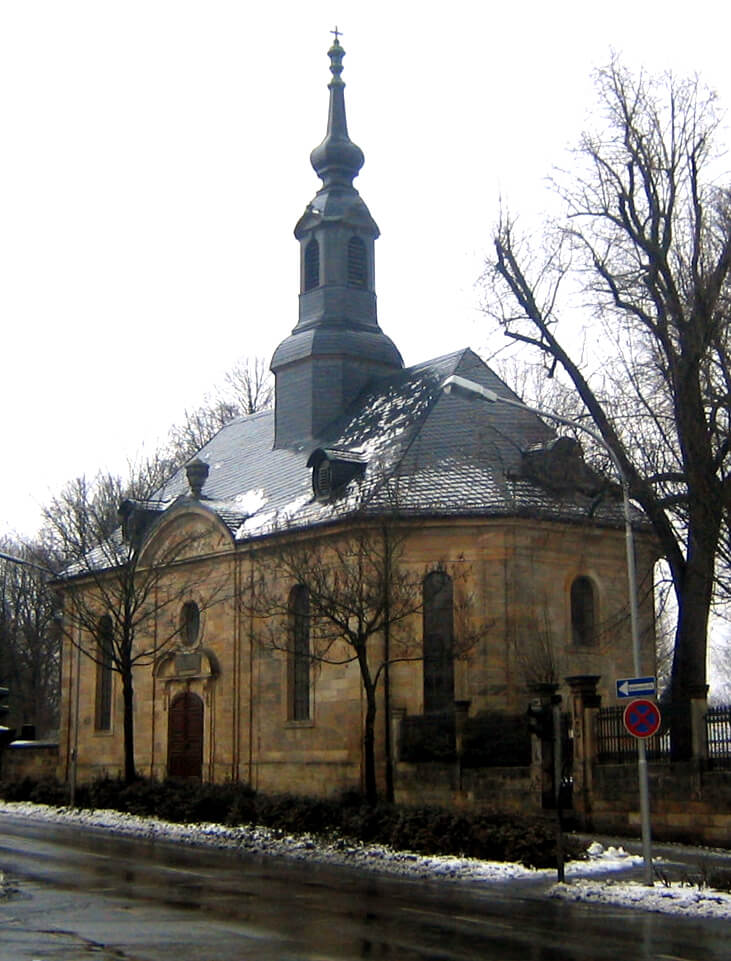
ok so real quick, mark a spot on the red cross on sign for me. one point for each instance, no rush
(642, 718)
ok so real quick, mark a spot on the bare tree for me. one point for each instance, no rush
(247, 389)
(721, 665)
(362, 599)
(29, 635)
(250, 385)
(198, 427)
(539, 654)
(644, 249)
(120, 602)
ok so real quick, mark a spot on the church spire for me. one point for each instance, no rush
(337, 346)
(337, 160)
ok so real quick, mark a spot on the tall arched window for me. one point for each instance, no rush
(299, 656)
(312, 265)
(438, 642)
(583, 612)
(357, 263)
(103, 705)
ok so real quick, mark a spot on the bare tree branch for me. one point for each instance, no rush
(649, 238)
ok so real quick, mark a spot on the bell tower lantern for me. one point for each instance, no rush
(337, 345)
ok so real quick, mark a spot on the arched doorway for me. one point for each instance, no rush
(185, 736)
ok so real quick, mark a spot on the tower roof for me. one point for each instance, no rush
(337, 347)
(337, 160)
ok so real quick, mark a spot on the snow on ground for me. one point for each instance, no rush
(582, 883)
(666, 898)
(676, 898)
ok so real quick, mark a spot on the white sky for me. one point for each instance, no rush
(155, 158)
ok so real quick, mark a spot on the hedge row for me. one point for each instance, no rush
(424, 830)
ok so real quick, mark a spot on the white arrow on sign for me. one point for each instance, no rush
(637, 687)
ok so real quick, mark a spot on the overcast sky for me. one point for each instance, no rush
(155, 158)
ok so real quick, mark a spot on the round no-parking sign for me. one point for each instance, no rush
(642, 718)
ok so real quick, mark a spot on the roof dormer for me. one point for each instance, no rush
(333, 469)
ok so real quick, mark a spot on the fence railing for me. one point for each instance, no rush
(615, 745)
(718, 735)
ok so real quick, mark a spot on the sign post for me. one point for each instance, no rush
(642, 719)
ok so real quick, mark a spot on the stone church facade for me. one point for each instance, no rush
(489, 505)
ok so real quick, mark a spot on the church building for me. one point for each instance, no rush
(506, 567)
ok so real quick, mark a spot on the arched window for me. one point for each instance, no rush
(312, 265)
(583, 612)
(299, 655)
(438, 643)
(190, 623)
(103, 705)
(357, 263)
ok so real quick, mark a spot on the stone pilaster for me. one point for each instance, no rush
(585, 703)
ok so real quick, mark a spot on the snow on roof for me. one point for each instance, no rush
(436, 454)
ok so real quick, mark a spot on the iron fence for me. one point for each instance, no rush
(718, 735)
(615, 745)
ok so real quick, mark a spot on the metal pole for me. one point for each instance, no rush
(75, 748)
(642, 773)
(557, 772)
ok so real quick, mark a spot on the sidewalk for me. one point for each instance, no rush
(671, 861)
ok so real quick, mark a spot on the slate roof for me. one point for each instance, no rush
(427, 454)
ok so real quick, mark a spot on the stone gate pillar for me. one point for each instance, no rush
(585, 703)
(542, 773)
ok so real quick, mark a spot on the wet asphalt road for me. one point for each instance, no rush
(90, 895)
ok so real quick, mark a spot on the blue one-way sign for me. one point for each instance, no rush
(637, 687)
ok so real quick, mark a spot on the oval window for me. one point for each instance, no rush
(190, 623)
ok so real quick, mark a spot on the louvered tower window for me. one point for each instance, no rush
(324, 479)
(357, 263)
(312, 265)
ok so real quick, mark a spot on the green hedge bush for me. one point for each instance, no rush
(424, 830)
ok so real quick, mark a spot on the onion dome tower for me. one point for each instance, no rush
(337, 346)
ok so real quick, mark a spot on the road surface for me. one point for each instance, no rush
(80, 894)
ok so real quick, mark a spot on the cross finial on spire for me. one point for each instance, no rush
(336, 54)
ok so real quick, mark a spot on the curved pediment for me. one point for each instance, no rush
(182, 664)
(186, 530)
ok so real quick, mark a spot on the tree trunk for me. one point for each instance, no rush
(130, 774)
(688, 679)
(387, 746)
(369, 750)
(369, 730)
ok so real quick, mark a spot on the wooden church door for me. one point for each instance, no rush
(185, 736)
